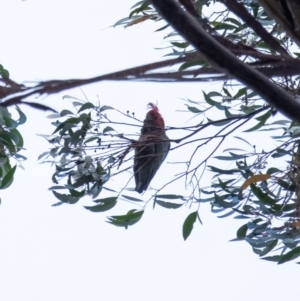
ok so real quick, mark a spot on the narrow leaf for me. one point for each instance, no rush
(189, 224)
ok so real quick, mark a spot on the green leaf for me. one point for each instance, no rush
(240, 92)
(294, 253)
(131, 218)
(228, 114)
(19, 141)
(269, 247)
(255, 128)
(108, 129)
(103, 204)
(187, 65)
(218, 123)
(180, 45)
(242, 231)
(223, 171)
(3, 72)
(132, 198)
(66, 198)
(22, 117)
(86, 106)
(263, 197)
(65, 112)
(219, 200)
(209, 100)
(236, 137)
(275, 258)
(8, 178)
(188, 225)
(162, 28)
(104, 108)
(168, 205)
(72, 121)
(194, 109)
(169, 196)
(9, 122)
(272, 170)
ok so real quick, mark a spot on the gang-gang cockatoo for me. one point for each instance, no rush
(151, 150)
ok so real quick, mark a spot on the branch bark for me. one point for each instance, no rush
(225, 61)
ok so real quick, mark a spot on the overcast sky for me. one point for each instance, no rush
(67, 253)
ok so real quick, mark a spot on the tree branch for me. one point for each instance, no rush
(239, 10)
(224, 60)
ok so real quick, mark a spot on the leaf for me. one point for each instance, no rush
(272, 170)
(132, 198)
(104, 108)
(169, 196)
(262, 121)
(285, 185)
(251, 180)
(108, 129)
(269, 247)
(8, 178)
(223, 171)
(236, 137)
(71, 121)
(242, 91)
(103, 204)
(131, 218)
(294, 253)
(65, 112)
(86, 106)
(209, 100)
(217, 122)
(188, 225)
(275, 258)
(193, 109)
(242, 231)
(220, 201)
(22, 117)
(228, 114)
(187, 65)
(3, 72)
(168, 205)
(263, 197)
(66, 198)
(181, 45)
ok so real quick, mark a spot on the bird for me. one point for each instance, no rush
(151, 149)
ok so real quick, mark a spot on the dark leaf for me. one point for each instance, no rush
(131, 218)
(242, 231)
(294, 253)
(103, 204)
(188, 225)
(66, 198)
(8, 178)
(169, 196)
(86, 106)
(132, 198)
(168, 205)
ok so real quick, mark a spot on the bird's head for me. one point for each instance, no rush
(153, 117)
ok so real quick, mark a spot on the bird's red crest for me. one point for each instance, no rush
(152, 106)
(156, 118)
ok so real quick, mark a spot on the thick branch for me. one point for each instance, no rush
(224, 60)
(239, 9)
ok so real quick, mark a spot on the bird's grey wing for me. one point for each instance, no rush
(142, 166)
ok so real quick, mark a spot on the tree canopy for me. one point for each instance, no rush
(251, 47)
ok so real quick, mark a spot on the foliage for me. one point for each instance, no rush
(259, 189)
(89, 146)
(11, 141)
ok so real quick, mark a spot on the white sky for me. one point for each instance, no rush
(68, 253)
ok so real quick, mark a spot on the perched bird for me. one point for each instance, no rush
(151, 150)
